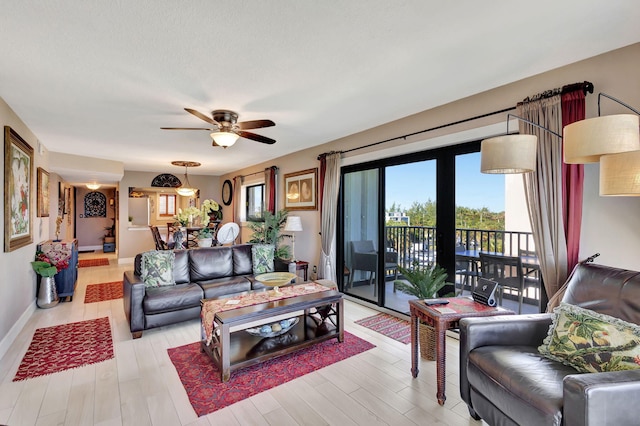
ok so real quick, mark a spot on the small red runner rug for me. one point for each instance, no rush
(103, 291)
(61, 347)
(388, 325)
(201, 379)
(85, 263)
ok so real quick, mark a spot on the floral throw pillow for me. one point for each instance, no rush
(262, 255)
(157, 268)
(591, 342)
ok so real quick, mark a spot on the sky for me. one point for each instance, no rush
(417, 182)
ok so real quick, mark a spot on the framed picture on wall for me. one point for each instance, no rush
(67, 200)
(18, 169)
(301, 190)
(43, 193)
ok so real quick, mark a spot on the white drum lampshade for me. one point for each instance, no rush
(586, 141)
(509, 154)
(293, 224)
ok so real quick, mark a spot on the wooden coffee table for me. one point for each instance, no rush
(443, 318)
(320, 317)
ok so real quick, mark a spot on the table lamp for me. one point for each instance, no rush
(293, 224)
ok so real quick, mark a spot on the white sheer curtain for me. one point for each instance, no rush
(329, 212)
(543, 190)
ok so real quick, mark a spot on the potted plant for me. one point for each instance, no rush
(47, 293)
(423, 282)
(205, 237)
(267, 231)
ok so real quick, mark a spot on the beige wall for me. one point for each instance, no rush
(609, 223)
(17, 279)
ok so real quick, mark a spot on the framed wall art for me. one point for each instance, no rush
(18, 169)
(43, 193)
(301, 190)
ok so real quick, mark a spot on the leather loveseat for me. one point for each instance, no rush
(200, 273)
(505, 380)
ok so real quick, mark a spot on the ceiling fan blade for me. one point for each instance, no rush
(186, 128)
(255, 124)
(257, 138)
(201, 116)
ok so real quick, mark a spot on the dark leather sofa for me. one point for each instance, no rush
(200, 273)
(505, 381)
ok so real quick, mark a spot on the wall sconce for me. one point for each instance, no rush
(586, 140)
(510, 153)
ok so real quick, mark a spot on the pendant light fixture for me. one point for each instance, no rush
(510, 154)
(186, 190)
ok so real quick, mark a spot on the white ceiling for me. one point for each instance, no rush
(99, 78)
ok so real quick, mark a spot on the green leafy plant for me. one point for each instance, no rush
(205, 233)
(424, 282)
(267, 231)
(44, 269)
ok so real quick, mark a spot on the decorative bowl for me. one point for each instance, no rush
(266, 330)
(275, 279)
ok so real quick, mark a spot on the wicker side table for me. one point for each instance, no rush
(443, 318)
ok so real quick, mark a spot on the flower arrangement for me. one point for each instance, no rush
(190, 214)
(210, 206)
(52, 255)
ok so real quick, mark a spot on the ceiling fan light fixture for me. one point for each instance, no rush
(224, 139)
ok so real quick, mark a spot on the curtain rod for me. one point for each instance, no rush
(257, 173)
(425, 130)
(585, 86)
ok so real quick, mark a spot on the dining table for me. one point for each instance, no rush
(192, 233)
(530, 264)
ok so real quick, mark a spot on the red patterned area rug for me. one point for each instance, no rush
(61, 347)
(103, 291)
(201, 379)
(85, 263)
(388, 325)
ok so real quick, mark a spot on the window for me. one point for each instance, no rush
(255, 201)
(166, 204)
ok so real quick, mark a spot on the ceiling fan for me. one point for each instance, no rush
(227, 130)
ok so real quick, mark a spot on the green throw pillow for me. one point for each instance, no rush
(262, 255)
(156, 268)
(591, 342)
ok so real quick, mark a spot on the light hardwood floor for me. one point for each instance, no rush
(141, 387)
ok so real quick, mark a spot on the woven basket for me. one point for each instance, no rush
(427, 338)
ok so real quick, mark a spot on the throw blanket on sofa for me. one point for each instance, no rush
(212, 306)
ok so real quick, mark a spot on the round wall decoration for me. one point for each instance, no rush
(227, 192)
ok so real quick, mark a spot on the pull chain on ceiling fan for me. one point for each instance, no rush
(226, 129)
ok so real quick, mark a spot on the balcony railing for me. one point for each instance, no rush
(418, 243)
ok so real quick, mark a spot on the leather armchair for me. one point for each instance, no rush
(504, 380)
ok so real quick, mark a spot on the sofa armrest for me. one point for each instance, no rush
(133, 295)
(601, 398)
(502, 330)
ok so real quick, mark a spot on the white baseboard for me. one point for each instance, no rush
(10, 337)
(86, 248)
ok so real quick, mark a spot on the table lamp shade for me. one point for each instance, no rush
(293, 224)
(586, 140)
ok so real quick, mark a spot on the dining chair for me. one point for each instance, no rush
(506, 271)
(160, 243)
(468, 269)
(531, 275)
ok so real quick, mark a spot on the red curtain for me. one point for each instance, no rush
(270, 188)
(323, 172)
(573, 109)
